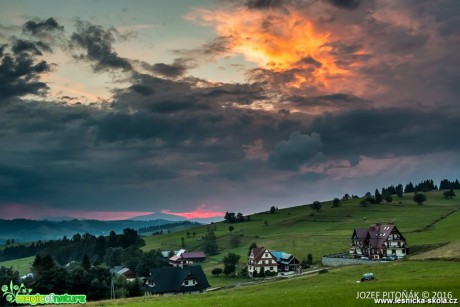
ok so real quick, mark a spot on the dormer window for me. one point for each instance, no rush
(189, 282)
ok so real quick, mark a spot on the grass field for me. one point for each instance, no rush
(21, 265)
(300, 230)
(336, 288)
(431, 231)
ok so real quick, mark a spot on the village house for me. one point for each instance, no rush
(286, 262)
(261, 259)
(123, 271)
(175, 280)
(378, 241)
(187, 258)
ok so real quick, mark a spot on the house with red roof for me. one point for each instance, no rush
(377, 241)
(187, 258)
(261, 259)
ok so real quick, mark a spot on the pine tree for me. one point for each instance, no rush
(210, 243)
(86, 264)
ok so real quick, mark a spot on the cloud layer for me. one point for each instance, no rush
(346, 96)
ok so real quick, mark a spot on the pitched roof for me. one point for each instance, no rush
(361, 233)
(284, 258)
(377, 234)
(119, 270)
(174, 258)
(170, 279)
(193, 255)
(258, 252)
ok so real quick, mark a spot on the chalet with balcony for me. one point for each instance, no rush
(261, 259)
(377, 241)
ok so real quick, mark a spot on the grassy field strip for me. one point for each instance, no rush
(337, 286)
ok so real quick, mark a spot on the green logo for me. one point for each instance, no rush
(21, 295)
(13, 291)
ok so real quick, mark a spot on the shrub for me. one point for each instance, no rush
(322, 271)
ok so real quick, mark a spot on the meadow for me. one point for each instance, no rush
(431, 231)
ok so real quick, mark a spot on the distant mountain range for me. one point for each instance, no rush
(175, 218)
(21, 230)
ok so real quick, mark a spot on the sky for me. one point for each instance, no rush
(114, 109)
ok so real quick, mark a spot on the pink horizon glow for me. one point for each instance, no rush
(199, 213)
(21, 211)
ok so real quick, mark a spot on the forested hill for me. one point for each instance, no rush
(21, 230)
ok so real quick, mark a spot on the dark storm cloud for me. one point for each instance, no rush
(297, 150)
(35, 48)
(263, 4)
(175, 70)
(42, 27)
(310, 61)
(66, 142)
(218, 46)
(19, 73)
(338, 100)
(97, 45)
(387, 132)
(346, 4)
(186, 134)
(2, 49)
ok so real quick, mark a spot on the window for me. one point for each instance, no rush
(271, 268)
(393, 251)
(189, 282)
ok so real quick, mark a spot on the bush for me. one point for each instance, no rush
(244, 271)
(216, 271)
(270, 273)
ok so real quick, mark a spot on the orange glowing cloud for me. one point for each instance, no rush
(277, 41)
(199, 213)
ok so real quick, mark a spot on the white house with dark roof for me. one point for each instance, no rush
(260, 259)
(377, 241)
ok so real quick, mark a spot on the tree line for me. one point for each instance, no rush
(65, 250)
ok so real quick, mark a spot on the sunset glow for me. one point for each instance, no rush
(199, 213)
(278, 41)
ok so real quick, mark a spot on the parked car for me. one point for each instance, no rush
(368, 277)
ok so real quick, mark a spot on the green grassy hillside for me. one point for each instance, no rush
(430, 229)
(336, 288)
(300, 230)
